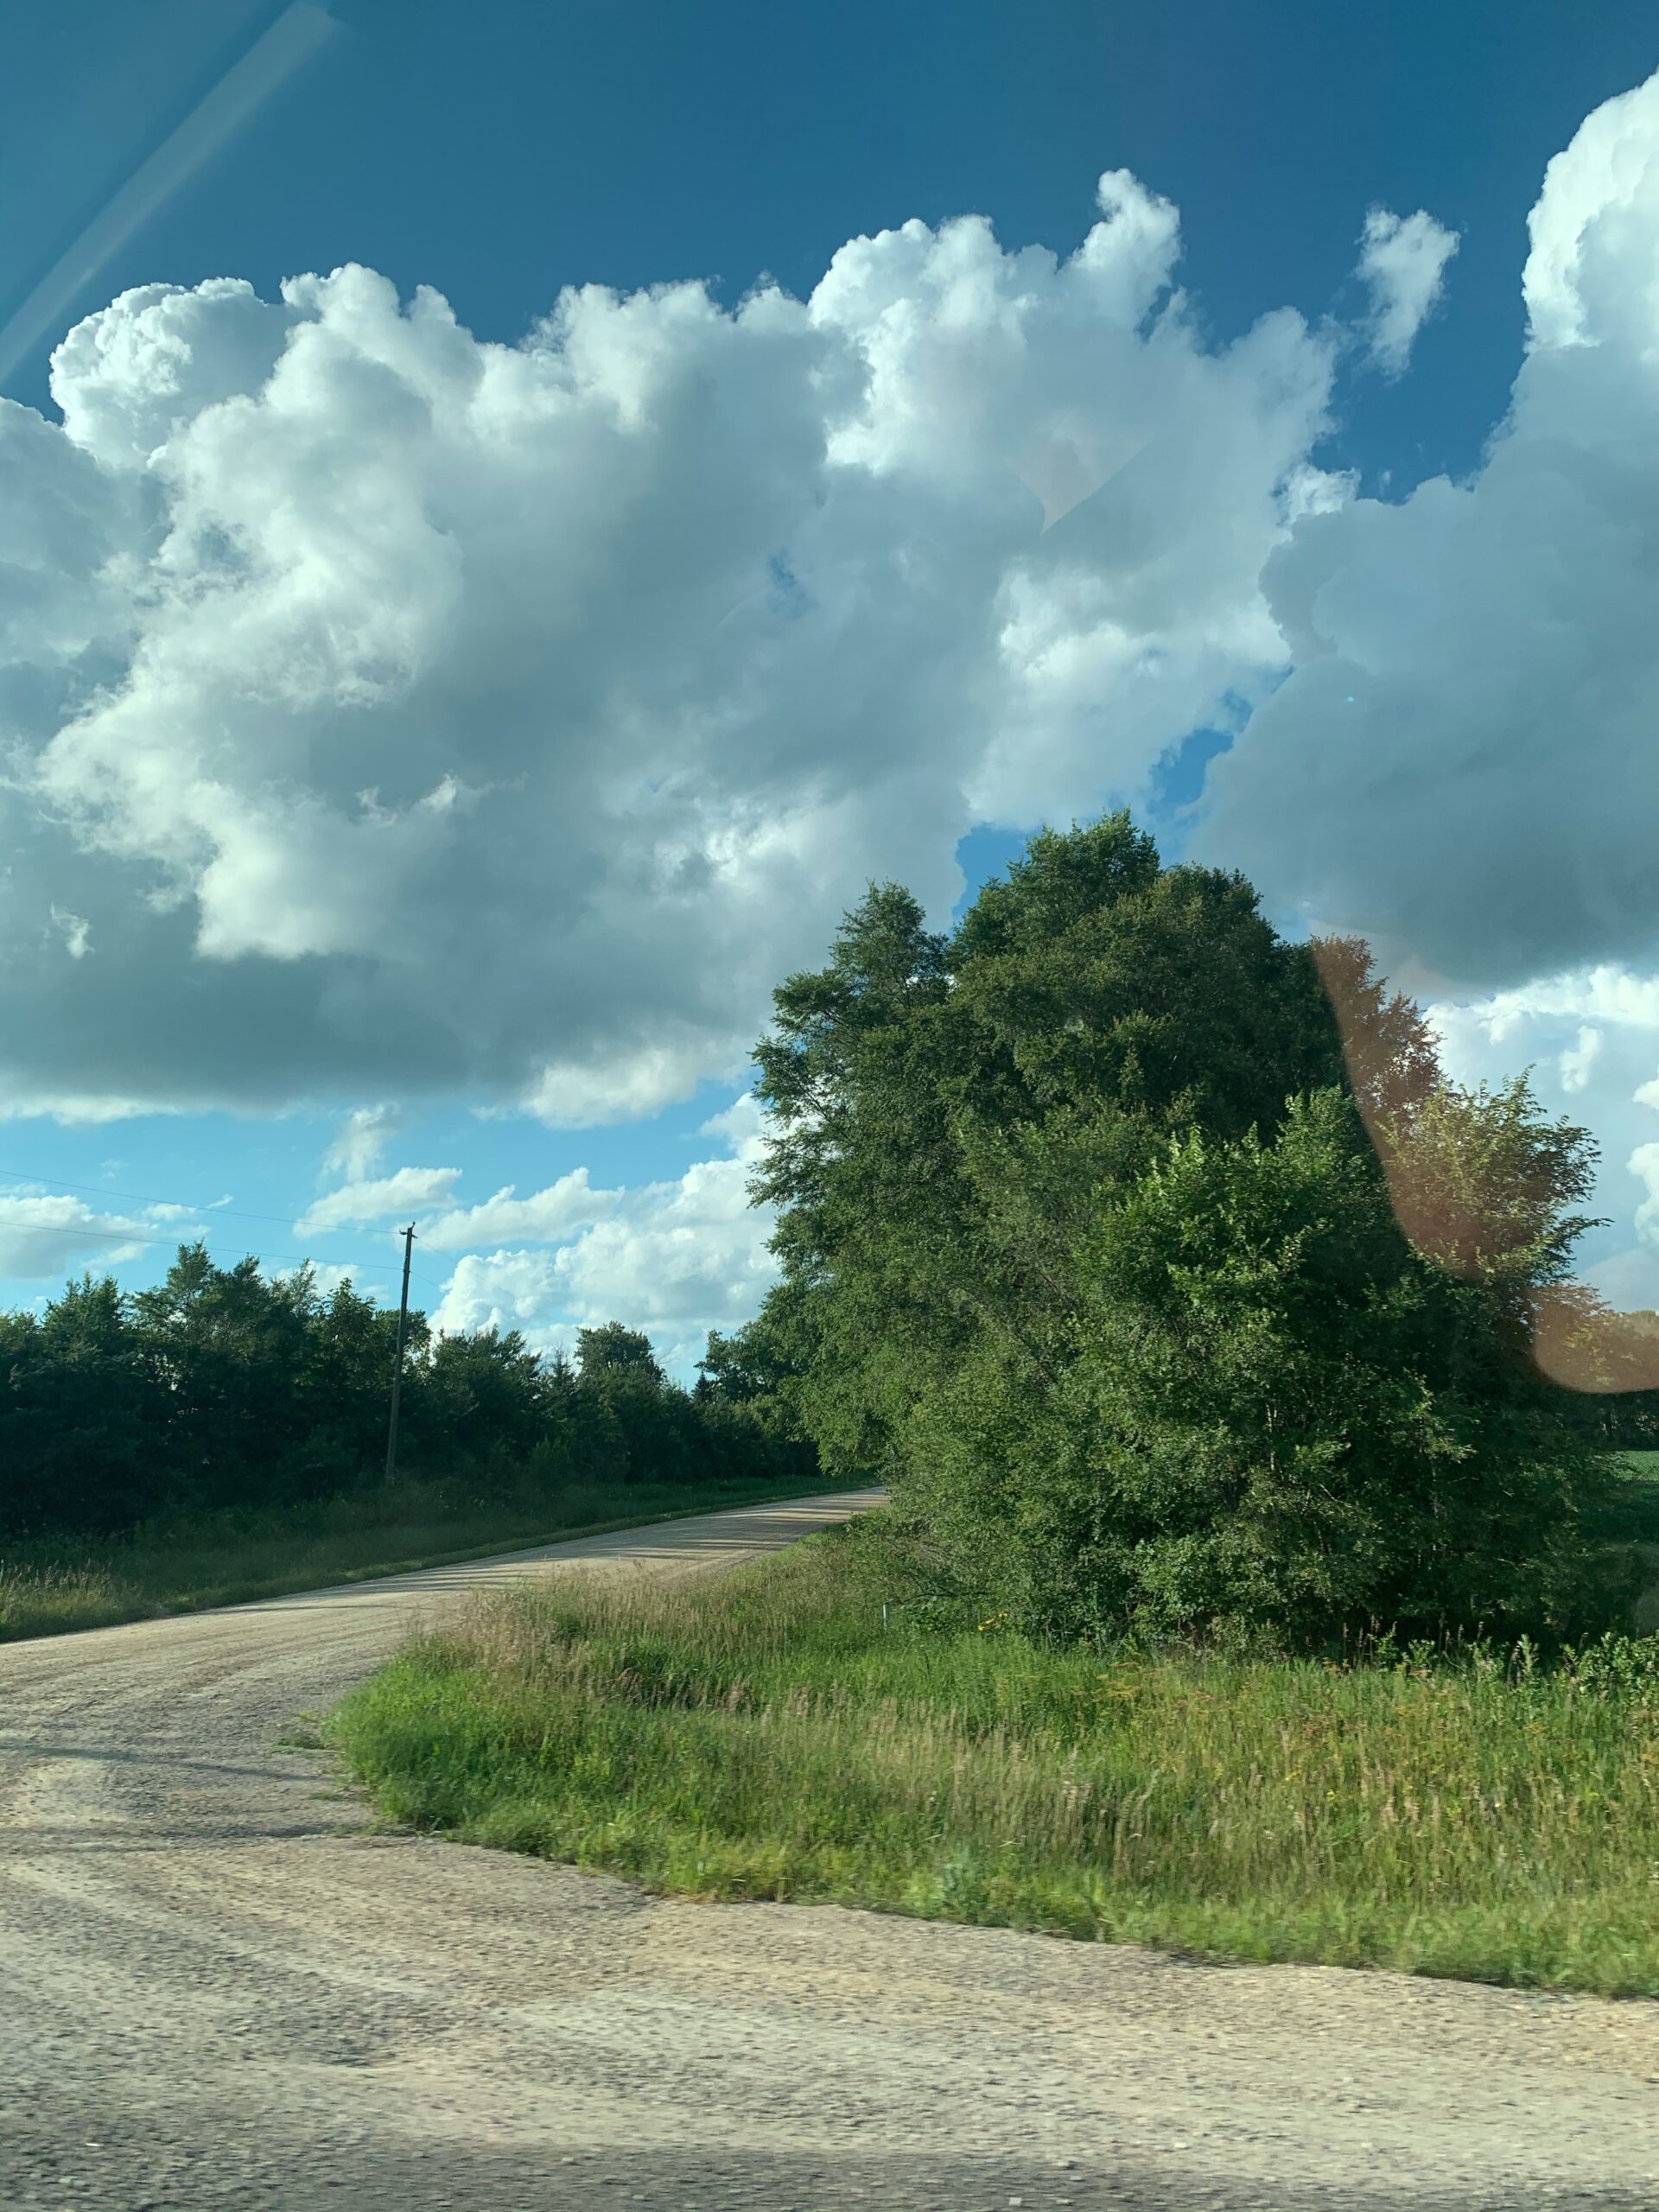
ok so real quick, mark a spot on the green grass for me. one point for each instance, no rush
(767, 1735)
(1634, 1519)
(1635, 1516)
(51, 1589)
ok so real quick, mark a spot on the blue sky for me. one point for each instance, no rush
(501, 150)
(501, 153)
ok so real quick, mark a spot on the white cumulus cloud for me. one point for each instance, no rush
(357, 1205)
(326, 1276)
(1591, 1041)
(504, 1290)
(545, 1216)
(676, 1258)
(364, 1135)
(50, 1234)
(386, 709)
(1577, 1064)
(1461, 763)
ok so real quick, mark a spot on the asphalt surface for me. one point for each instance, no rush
(221, 1985)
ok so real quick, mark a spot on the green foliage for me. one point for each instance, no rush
(771, 1733)
(1481, 1183)
(79, 1412)
(1088, 1007)
(1156, 1265)
(1261, 1408)
(223, 1389)
(614, 1350)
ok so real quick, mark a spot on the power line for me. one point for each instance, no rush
(143, 1198)
(107, 1237)
(165, 1232)
(133, 1235)
(51, 1184)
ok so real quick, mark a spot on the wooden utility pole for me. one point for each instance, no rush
(398, 1371)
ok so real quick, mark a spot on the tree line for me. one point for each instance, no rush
(1156, 1264)
(226, 1388)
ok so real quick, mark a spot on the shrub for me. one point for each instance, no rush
(1266, 1412)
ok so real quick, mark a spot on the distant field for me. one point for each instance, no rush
(1639, 1511)
(770, 1734)
(1636, 1520)
(53, 1588)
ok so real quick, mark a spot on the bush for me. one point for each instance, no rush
(1267, 1413)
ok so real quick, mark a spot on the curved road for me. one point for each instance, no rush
(220, 1985)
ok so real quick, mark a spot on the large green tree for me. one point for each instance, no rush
(1093, 1241)
(1088, 1006)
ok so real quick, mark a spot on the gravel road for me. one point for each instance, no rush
(219, 1985)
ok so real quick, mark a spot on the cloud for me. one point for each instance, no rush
(1578, 1063)
(357, 1205)
(1593, 228)
(393, 711)
(1403, 263)
(1591, 1040)
(690, 1253)
(502, 1290)
(282, 47)
(1644, 1162)
(363, 1137)
(1461, 763)
(549, 1216)
(546, 1217)
(78, 1109)
(76, 932)
(46, 1234)
(676, 1258)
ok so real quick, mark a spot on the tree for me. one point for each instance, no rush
(80, 1417)
(1086, 1008)
(341, 1387)
(484, 1406)
(615, 1350)
(226, 1344)
(226, 1387)
(1153, 1260)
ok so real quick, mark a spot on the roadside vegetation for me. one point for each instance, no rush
(48, 1588)
(1266, 1552)
(1476, 1812)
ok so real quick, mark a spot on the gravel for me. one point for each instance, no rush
(221, 1985)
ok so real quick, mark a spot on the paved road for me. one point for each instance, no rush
(220, 1987)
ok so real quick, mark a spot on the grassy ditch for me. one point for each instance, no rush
(53, 1588)
(770, 1734)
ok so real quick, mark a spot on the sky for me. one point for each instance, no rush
(511, 517)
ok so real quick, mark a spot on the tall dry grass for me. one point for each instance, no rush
(51, 1599)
